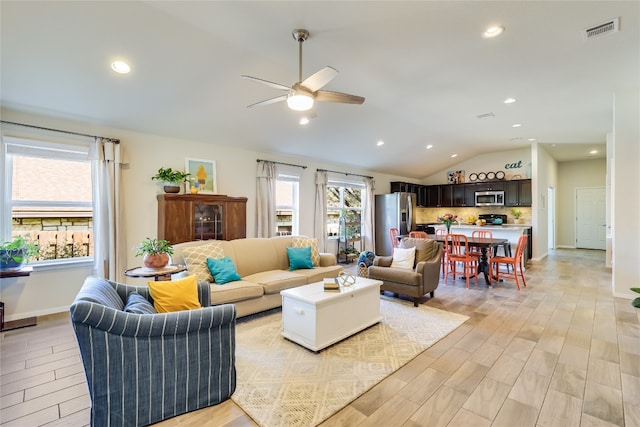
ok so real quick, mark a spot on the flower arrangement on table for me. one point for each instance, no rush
(447, 219)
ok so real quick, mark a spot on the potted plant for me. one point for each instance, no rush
(155, 252)
(172, 179)
(516, 215)
(17, 252)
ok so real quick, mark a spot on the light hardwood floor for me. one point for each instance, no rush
(562, 352)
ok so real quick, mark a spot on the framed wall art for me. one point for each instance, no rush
(455, 177)
(203, 173)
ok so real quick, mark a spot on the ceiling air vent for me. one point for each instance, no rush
(603, 29)
(485, 115)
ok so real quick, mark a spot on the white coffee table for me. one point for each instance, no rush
(315, 318)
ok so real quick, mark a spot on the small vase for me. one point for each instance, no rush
(448, 228)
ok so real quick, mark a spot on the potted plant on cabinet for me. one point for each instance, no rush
(172, 179)
(155, 252)
(17, 252)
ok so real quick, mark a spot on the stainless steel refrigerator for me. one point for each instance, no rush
(393, 210)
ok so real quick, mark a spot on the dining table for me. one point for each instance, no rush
(484, 244)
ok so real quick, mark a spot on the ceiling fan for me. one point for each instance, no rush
(301, 95)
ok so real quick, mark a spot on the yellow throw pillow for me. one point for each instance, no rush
(175, 295)
(195, 257)
(301, 242)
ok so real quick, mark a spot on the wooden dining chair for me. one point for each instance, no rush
(458, 246)
(393, 235)
(418, 235)
(515, 262)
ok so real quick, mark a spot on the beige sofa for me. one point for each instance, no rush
(263, 265)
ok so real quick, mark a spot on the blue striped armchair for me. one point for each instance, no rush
(144, 368)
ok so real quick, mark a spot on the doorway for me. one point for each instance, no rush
(591, 218)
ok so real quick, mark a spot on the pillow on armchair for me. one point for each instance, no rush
(404, 258)
(425, 249)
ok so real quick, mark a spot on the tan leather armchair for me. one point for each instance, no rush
(416, 282)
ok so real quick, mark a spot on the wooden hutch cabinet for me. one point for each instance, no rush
(189, 217)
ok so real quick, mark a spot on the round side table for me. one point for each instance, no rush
(157, 273)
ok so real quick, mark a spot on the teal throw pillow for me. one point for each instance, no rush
(223, 270)
(138, 304)
(299, 258)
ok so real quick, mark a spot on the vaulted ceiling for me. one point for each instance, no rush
(424, 68)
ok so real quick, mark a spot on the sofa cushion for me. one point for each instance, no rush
(231, 292)
(195, 258)
(403, 258)
(275, 281)
(396, 275)
(175, 295)
(318, 273)
(223, 270)
(138, 304)
(253, 255)
(299, 258)
(301, 242)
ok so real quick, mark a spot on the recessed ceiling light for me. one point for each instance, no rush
(304, 120)
(593, 152)
(429, 147)
(380, 143)
(510, 100)
(454, 155)
(531, 139)
(516, 125)
(493, 31)
(120, 67)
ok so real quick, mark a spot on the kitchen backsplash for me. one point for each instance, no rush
(427, 215)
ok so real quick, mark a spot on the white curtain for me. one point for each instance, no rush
(368, 211)
(108, 226)
(266, 195)
(320, 217)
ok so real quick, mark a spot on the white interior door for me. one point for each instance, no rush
(591, 218)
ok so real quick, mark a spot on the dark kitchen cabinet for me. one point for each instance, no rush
(400, 187)
(489, 186)
(433, 196)
(470, 194)
(458, 195)
(422, 198)
(517, 193)
(446, 195)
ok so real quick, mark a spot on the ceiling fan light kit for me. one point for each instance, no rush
(303, 94)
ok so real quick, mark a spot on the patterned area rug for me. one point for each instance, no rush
(283, 384)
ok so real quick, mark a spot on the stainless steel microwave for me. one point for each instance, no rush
(489, 198)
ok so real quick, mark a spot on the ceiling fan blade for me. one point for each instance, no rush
(319, 78)
(345, 98)
(267, 82)
(268, 101)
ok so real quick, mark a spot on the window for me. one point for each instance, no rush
(287, 205)
(50, 198)
(343, 198)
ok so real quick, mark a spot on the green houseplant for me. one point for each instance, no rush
(636, 302)
(17, 252)
(517, 213)
(172, 179)
(155, 252)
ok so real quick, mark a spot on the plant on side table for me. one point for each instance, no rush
(17, 252)
(172, 179)
(155, 252)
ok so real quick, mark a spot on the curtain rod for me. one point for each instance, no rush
(344, 173)
(114, 140)
(281, 163)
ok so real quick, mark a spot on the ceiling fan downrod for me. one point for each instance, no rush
(300, 35)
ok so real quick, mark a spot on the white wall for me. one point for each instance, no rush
(625, 197)
(571, 176)
(51, 291)
(545, 175)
